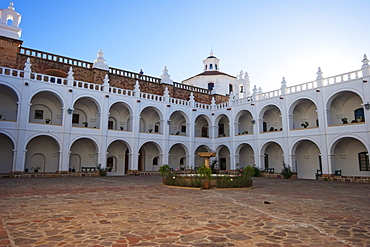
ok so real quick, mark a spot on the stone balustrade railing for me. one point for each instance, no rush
(88, 85)
(179, 101)
(192, 88)
(121, 91)
(133, 75)
(53, 57)
(342, 77)
(11, 72)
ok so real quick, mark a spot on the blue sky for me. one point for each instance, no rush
(268, 39)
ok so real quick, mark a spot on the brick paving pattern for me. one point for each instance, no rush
(139, 211)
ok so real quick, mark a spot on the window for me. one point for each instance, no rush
(241, 89)
(264, 127)
(363, 160)
(211, 85)
(205, 131)
(155, 161)
(221, 129)
(39, 114)
(75, 118)
(156, 128)
(215, 66)
(359, 114)
(206, 67)
(210, 66)
(230, 88)
(110, 125)
(183, 128)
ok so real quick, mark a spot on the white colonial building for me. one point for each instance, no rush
(62, 116)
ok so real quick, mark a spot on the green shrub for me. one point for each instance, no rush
(286, 171)
(256, 172)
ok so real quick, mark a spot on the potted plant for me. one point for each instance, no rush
(345, 120)
(150, 130)
(36, 169)
(73, 169)
(305, 124)
(245, 132)
(121, 127)
(359, 119)
(205, 172)
(47, 120)
(1, 115)
(286, 171)
(271, 128)
(85, 124)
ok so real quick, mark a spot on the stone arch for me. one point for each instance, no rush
(8, 103)
(151, 120)
(86, 109)
(45, 105)
(271, 115)
(120, 113)
(223, 123)
(342, 104)
(6, 153)
(245, 155)
(302, 111)
(178, 153)
(119, 150)
(223, 155)
(179, 123)
(244, 120)
(202, 123)
(87, 150)
(148, 153)
(344, 155)
(42, 154)
(272, 155)
(306, 159)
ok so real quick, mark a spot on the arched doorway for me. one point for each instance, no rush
(6, 154)
(84, 153)
(117, 158)
(307, 159)
(42, 154)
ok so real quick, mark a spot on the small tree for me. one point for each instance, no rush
(286, 171)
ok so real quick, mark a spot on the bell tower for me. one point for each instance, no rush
(9, 23)
(211, 63)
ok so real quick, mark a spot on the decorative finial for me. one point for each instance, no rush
(283, 83)
(319, 74)
(365, 61)
(99, 62)
(165, 77)
(11, 6)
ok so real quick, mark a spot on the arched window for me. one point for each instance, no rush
(205, 131)
(215, 66)
(206, 67)
(363, 160)
(230, 88)
(155, 161)
(211, 85)
(241, 89)
(9, 22)
(210, 66)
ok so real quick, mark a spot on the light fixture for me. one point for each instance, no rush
(169, 121)
(253, 121)
(367, 106)
(69, 110)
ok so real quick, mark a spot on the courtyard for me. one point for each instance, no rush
(140, 211)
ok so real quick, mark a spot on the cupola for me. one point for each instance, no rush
(211, 63)
(9, 23)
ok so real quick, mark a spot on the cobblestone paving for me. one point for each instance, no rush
(139, 211)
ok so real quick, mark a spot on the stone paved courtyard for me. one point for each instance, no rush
(139, 211)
